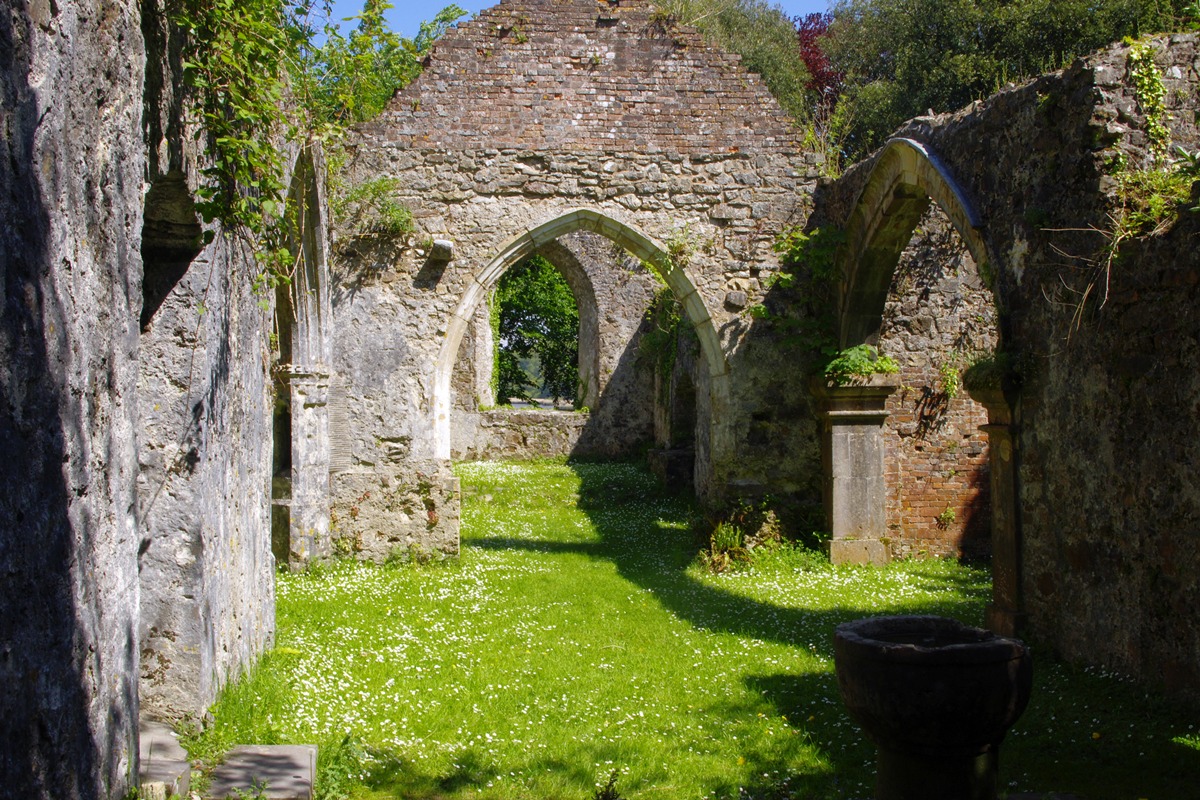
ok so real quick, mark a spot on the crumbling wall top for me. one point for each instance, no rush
(593, 75)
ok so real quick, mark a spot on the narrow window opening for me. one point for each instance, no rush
(171, 239)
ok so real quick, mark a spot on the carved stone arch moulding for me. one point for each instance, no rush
(529, 242)
(905, 178)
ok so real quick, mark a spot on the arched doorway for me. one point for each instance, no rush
(907, 187)
(712, 398)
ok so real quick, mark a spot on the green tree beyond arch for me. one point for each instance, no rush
(537, 318)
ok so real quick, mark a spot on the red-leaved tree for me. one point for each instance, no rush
(825, 82)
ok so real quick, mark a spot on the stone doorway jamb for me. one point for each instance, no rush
(852, 451)
(1005, 615)
(309, 518)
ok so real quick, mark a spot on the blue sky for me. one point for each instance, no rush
(407, 15)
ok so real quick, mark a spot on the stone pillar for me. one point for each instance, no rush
(309, 525)
(852, 450)
(1005, 615)
(484, 357)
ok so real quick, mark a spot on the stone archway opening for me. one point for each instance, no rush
(630, 258)
(507, 401)
(904, 180)
(676, 375)
(939, 319)
(916, 284)
(537, 354)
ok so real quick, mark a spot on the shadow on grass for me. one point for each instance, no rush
(712, 608)
(1094, 736)
(647, 537)
(811, 702)
(472, 771)
(639, 532)
(592, 549)
(1101, 736)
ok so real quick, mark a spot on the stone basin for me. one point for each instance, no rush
(936, 697)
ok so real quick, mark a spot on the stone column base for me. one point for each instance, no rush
(859, 551)
(1004, 621)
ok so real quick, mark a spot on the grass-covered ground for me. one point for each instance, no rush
(577, 637)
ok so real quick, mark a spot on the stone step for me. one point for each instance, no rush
(164, 770)
(271, 772)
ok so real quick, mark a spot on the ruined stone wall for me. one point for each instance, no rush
(1108, 430)
(939, 318)
(621, 421)
(474, 371)
(593, 76)
(777, 428)
(659, 134)
(1110, 433)
(1109, 450)
(207, 572)
(71, 161)
(204, 444)
(525, 433)
(1102, 384)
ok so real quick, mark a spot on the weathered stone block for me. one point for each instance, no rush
(859, 552)
(72, 162)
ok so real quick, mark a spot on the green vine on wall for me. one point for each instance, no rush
(949, 376)
(1151, 96)
(1147, 201)
(235, 62)
(371, 209)
(817, 250)
(811, 273)
(860, 361)
(660, 342)
(681, 246)
(259, 80)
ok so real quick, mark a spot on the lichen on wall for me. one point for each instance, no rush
(71, 162)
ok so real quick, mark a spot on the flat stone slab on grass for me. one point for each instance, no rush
(275, 772)
(163, 767)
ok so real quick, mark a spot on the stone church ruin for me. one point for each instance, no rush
(174, 436)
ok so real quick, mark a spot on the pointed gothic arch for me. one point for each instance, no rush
(300, 506)
(531, 241)
(903, 181)
(565, 261)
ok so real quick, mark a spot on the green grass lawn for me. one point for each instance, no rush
(576, 638)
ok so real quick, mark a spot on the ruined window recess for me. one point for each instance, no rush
(171, 239)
